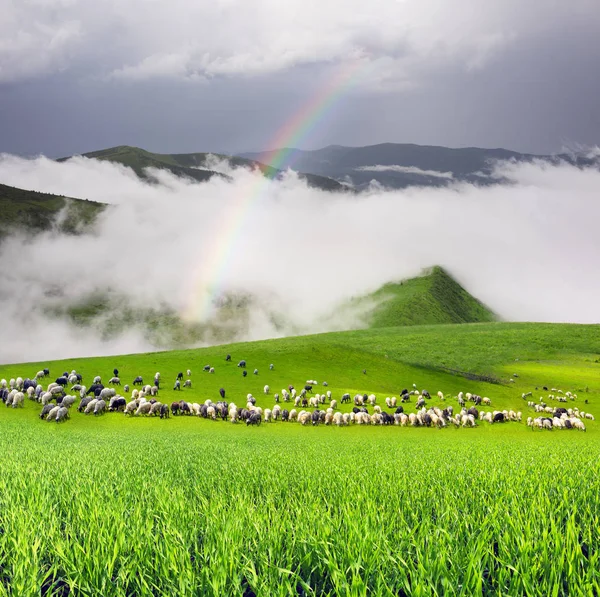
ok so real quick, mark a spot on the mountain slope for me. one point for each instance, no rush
(399, 165)
(37, 212)
(433, 298)
(193, 165)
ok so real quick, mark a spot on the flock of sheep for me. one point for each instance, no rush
(290, 405)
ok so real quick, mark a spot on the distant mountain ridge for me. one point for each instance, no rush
(194, 165)
(399, 165)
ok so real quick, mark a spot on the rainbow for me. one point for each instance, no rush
(214, 266)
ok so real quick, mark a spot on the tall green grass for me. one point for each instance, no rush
(218, 512)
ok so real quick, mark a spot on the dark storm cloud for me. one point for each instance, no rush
(225, 75)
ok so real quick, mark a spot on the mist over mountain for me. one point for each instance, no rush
(400, 165)
(174, 261)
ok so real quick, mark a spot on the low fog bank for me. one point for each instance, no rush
(528, 249)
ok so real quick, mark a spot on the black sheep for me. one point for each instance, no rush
(242, 364)
(228, 357)
(222, 392)
(138, 381)
(180, 375)
(498, 418)
(62, 381)
(244, 373)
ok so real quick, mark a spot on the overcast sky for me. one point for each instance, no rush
(227, 75)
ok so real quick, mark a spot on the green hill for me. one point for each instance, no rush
(435, 297)
(37, 212)
(192, 165)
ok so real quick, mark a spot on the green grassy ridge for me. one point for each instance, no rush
(394, 358)
(38, 212)
(187, 164)
(434, 297)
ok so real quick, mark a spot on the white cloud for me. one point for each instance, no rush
(528, 250)
(406, 170)
(399, 42)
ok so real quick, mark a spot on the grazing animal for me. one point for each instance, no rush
(242, 364)
(244, 373)
(138, 381)
(228, 357)
(180, 375)
(177, 385)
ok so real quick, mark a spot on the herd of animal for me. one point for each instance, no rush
(290, 404)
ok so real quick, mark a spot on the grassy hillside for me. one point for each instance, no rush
(40, 211)
(432, 298)
(118, 506)
(192, 165)
(480, 358)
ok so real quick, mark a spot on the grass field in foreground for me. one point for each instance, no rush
(119, 506)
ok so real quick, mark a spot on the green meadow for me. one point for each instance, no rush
(122, 506)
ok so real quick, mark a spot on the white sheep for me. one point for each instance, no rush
(266, 389)
(131, 407)
(144, 408)
(52, 414)
(186, 384)
(18, 400)
(90, 406)
(97, 379)
(189, 373)
(333, 404)
(267, 415)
